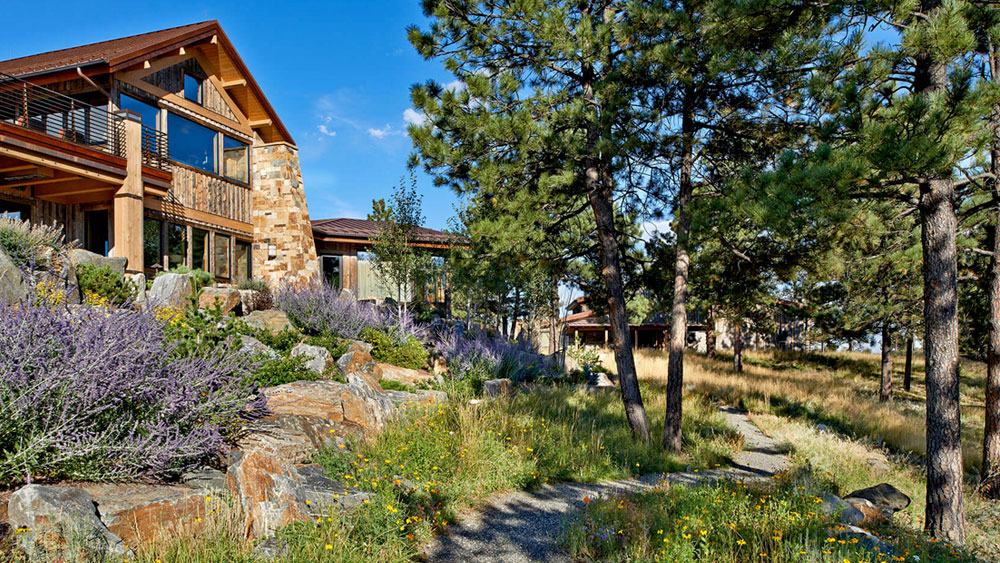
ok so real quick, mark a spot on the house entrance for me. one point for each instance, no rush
(96, 237)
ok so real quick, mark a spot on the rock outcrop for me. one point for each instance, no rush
(52, 522)
(403, 375)
(272, 320)
(170, 290)
(228, 299)
(318, 359)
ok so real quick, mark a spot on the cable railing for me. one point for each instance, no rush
(38, 108)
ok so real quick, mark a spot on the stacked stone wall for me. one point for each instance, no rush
(281, 218)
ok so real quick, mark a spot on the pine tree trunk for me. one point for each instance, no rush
(678, 313)
(945, 511)
(908, 366)
(710, 340)
(600, 192)
(990, 474)
(737, 348)
(517, 308)
(885, 384)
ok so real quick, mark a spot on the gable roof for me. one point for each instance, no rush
(119, 54)
(362, 229)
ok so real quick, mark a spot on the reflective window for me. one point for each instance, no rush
(331, 270)
(147, 112)
(176, 245)
(151, 255)
(191, 143)
(243, 261)
(192, 88)
(222, 256)
(234, 159)
(199, 249)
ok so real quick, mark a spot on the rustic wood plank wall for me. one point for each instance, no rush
(171, 79)
(210, 193)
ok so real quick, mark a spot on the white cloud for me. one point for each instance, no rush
(455, 86)
(380, 133)
(322, 129)
(414, 117)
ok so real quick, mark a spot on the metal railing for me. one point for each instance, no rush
(38, 108)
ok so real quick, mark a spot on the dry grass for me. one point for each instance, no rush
(839, 389)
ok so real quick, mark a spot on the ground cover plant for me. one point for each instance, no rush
(97, 394)
(475, 357)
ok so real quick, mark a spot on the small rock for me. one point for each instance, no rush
(271, 548)
(832, 504)
(58, 521)
(866, 540)
(878, 464)
(138, 282)
(403, 375)
(255, 347)
(12, 286)
(822, 428)
(225, 297)
(602, 380)
(271, 319)
(170, 290)
(357, 356)
(318, 359)
(498, 387)
(204, 478)
(882, 495)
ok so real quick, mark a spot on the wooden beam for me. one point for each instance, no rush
(35, 170)
(234, 83)
(88, 197)
(18, 168)
(260, 123)
(84, 186)
(173, 99)
(39, 182)
(179, 211)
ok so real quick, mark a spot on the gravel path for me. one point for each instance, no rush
(526, 526)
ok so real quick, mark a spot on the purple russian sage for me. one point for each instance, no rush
(92, 393)
(319, 308)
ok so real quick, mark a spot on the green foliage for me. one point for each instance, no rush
(390, 385)
(201, 332)
(409, 354)
(22, 240)
(105, 283)
(284, 369)
(334, 344)
(263, 298)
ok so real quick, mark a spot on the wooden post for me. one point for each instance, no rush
(128, 206)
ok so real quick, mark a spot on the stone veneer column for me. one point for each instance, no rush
(281, 218)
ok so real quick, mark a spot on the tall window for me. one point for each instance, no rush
(176, 245)
(151, 254)
(243, 261)
(148, 113)
(331, 270)
(192, 88)
(199, 249)
(234, 159)
(191, 143)
(222, 256)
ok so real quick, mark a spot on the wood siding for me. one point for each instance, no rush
(69, 217)
(211, 194)
(171, 79)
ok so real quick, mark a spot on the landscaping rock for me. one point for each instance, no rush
(498, 387)
(358, 354)
(227, 298)
(272, 320)
(138, 282)
(12, 286)
(79, 256)
(602, 380)
(865, 539)
(170, 290)
(287, 437)
(882, 495)
(204, 478)
(822, 428)
(247, 301)
(271, 548)
(58, 521)
(142, 513)
(318, 359)
(832, 504)
(403, 375)
(253, 346)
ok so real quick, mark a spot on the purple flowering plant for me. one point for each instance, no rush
(95, 393)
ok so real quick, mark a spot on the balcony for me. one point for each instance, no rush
(70, 152)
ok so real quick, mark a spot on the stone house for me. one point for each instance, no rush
(160, 148)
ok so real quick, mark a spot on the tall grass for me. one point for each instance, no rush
(838, 389)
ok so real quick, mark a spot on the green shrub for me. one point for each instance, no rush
(283, 341)
(284, 369)
(410, 354)
(390, 385)
(21, 240)
(104, 283)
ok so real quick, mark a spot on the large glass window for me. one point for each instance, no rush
(243, 261)
(148, 113)
(199, 249)
(331, 270)
(176, 245)
(234, 159)
(191, 143)
(192, 88)
(222, 256)
(151, 243)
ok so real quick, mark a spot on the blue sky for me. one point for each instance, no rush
(338, 73)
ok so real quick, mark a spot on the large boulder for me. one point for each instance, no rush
(498, 388)
(272, 320)
(12, 285)
(882, 495)
(225, 297)
(275, 492)
(141, 513)
(170, 290)
(79, 256)
(55, 522)
(318, 359)
(356, 358)
(403, 375)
